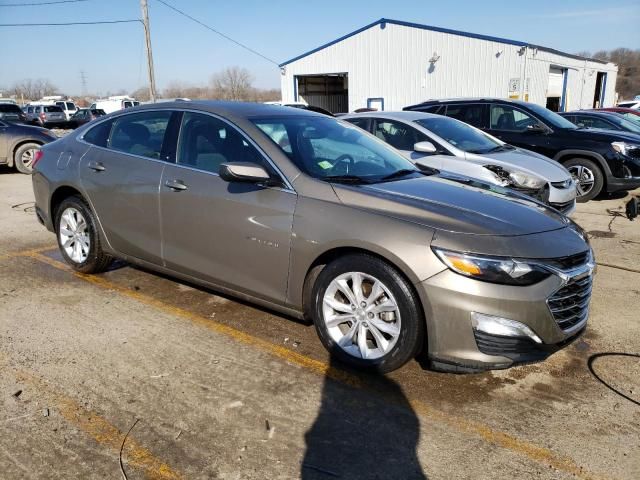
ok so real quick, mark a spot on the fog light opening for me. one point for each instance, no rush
(504, 327)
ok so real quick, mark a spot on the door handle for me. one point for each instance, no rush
(175, 185)
(96, 166)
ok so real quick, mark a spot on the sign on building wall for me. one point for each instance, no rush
(514, 89)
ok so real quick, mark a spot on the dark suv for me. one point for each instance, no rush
(599, 160)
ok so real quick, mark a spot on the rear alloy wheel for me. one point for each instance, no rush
(23, 157)
(588, 177)
(366, 314)
(78, 237)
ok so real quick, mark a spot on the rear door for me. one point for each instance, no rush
(121, 176)
(232, 234)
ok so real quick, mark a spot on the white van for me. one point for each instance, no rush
(113, 104)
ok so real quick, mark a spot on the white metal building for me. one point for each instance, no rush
(390, 64)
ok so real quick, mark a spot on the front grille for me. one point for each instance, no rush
(568, 263)
(570, 304)
(562, 207)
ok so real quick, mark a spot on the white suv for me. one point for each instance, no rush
(69, 108)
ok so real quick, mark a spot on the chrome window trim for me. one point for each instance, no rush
(289, 187)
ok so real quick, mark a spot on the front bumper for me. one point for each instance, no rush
(455, 345)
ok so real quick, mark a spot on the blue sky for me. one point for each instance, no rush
(112, 56)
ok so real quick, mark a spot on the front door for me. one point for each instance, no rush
(512, 126)
(232, 234)
(121, 176)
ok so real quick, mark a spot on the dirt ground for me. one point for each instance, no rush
(209, 387)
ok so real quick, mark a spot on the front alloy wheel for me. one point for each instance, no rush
(588, 177)
(361, 315)
(584, 179)
(366, 313)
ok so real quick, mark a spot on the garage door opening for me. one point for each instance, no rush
(598, 94)
(330, 92)
(556, 89)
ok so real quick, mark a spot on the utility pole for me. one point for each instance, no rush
(147, 35)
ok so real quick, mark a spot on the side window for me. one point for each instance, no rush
(592, 122)
(505, 117)
(363, 123)
(472, 114)
(436, 109)
(140, 134)
(30, 110)
(205, 142)
(277, 133)
(398, 135)
(99, 135)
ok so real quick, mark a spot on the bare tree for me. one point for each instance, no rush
(628, 61)
(33, 89)
(233, 83)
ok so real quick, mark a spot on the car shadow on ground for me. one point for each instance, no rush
(359, 435)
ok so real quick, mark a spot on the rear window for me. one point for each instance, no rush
(53, 109)
(9, 107)
(99, 134)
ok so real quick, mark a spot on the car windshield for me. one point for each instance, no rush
(628, 124)
(551, 117)
(460, 135)
(332, 150)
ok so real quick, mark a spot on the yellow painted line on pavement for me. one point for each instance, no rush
(24, 253)
(105, 434)
(488, 434)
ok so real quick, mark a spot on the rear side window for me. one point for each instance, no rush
(30, 110)
(437, 109)
(140, 134)
(71, 106)
(593, 122)
(99, 134)
(472, 114)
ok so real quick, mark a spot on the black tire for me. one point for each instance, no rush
(96, 260)
(412, 326)
(575, 165)
(21, 166)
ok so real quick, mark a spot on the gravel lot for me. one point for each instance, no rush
(214, 388)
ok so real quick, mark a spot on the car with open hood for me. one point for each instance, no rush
(313, 217)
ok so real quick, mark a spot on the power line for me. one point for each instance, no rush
(66, 23)
(218, 32)
(35, 4)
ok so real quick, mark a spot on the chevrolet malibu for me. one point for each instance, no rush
(315, 218)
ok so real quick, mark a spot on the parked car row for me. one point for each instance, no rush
(317, 218)
(599, 160)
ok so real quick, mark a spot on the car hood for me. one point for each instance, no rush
(454, 204)
(606, 135)
(524, 161)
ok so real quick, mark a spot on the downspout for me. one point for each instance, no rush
(524, 73)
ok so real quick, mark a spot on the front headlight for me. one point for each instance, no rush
(516, 178)
(504, 270)
(624, 147)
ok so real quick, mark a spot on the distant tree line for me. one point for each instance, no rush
(233, 83)
(628, 61)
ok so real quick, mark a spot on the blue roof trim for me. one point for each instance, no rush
(441, 30)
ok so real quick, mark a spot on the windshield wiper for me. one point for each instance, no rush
(501, 148)
(345, 179)
(403, 172)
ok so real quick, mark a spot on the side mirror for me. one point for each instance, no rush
(536, 128)
(424, 147)
(243, 172)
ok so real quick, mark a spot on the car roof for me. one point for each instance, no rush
(596, 113)
(401, 115)
(231, 108)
